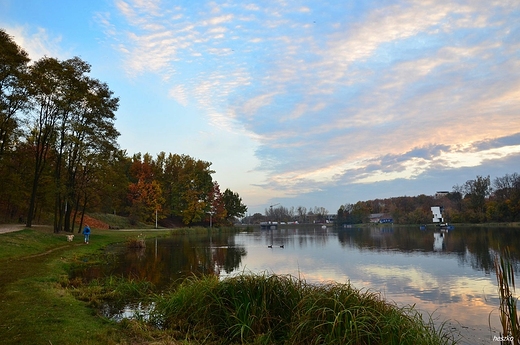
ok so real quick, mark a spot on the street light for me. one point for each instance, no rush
(210, 218)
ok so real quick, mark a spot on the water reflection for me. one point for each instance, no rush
(168, 260)
(449, 273)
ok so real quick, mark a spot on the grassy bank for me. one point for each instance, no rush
(35, 308)
(271, 309)
(40, 305)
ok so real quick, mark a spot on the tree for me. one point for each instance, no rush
(46, 92)
(217, 212)
(13, 91)
(321, 213)
(195, 184)
(85, 131)
(302, 213)
(186, 184)
(456, 197)
(344, 214)
(108, 183)
(145, 194)
(506, 206)
(233, 204)
(72, 122)
(476, 191)
(360, 212)
(506, 187)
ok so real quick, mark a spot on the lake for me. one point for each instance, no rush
(448, 274)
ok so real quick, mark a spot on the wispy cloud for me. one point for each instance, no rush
(340, 92)
(37, 43)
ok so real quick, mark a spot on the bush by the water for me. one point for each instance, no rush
(273, 309)
(136, 242)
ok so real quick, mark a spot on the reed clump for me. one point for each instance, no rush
(274, 309)
(508, 302)
(136, 242)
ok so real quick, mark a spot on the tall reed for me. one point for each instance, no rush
(508, 303)
(272, 309)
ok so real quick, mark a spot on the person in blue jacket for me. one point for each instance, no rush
(86, 232)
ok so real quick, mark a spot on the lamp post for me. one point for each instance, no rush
(210, 219)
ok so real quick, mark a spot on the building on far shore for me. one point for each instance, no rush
(441, 194)
(380, 218)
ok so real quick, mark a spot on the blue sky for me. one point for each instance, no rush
(302, 102)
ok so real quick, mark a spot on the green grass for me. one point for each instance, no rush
(27, 242)
(37, 307)
(271, 309)
(118, 222)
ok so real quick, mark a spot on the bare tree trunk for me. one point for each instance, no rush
(83, 213)
(76, 208)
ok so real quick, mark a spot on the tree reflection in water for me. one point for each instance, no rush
(166, 261)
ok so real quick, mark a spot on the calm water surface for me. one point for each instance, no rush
(448, 274)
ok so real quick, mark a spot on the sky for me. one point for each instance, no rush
(302, 103)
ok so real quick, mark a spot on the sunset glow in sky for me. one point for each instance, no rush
(302, 102)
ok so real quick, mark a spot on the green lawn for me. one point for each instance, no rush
(35, 308)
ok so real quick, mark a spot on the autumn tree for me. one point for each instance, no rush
(216, 212)
(145, 194)
(233, 204)
(189, 185)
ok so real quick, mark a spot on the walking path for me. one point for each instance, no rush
(10, 227)
(15, 227)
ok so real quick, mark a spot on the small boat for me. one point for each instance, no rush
(446, 227)
(269, 225)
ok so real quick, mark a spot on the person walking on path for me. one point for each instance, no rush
(86, 232)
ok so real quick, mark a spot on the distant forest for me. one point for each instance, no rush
(476, 201)
(59, 156)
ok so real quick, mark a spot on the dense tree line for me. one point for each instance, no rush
(179, 186)
(476, 201)
(59, 155)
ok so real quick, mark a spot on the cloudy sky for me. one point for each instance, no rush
(302, 102)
